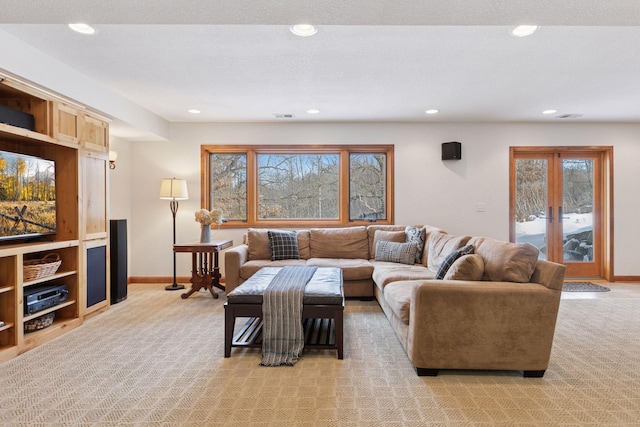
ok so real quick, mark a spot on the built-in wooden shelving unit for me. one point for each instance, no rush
(77, 139)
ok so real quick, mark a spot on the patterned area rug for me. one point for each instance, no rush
(583, 287)
(158, 360)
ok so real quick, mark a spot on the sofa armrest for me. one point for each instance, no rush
(481, 325)
(549, 274)
(233, 260)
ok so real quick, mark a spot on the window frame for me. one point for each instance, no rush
(252, 151)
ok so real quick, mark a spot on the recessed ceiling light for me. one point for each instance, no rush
(524, 30)
(313, 111)
(432, 111)
(549, 111)
(303, 30)
(194, 111)
(82, 28)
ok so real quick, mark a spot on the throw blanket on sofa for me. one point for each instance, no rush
(282, 334)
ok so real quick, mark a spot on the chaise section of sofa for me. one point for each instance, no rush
(503, 319)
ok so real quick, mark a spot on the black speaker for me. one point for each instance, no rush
(118, 252)
(451, 151)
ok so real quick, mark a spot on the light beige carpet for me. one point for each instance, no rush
(156, 359)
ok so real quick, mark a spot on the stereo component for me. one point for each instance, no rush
(38, 298)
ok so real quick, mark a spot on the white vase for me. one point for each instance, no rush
(205, 234)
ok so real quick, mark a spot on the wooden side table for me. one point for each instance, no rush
(205, 271)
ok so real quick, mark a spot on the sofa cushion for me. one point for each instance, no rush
(303, 244)
(389, 236)
(387, 272)
(371, 234)
(505, 261)
(250, 268)
(440, 245)
(451, 258)
(258, 242)
(398, 296)
(283, 244)
(348, 243)
(430, 231)
(467, 267)
(352, 269)
(404, 253)
(418, 236)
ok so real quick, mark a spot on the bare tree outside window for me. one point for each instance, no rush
(367, 186)
(228, 185)
(298, 186)
(578, 185)
(531, 189)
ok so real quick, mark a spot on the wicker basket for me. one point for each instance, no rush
(39, 322)
(37, 268)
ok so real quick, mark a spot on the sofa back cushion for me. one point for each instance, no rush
(388, 236)
(429, 231)
(371, 235)
(303, 244)
(440, 245)
(349, 243)
(258, 241)
(505, 261)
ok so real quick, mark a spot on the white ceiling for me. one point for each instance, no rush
(370, 60)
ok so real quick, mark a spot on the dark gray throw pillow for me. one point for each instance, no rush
(284, 245)
(451, 258)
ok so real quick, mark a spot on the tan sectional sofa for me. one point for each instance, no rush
(494, 309)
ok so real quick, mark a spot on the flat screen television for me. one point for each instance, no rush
(27, 196)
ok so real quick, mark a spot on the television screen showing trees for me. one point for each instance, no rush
(27, 195)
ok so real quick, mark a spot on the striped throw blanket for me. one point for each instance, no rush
(282, 334)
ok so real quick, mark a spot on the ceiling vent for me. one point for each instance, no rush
(569, 116)
(284, 116)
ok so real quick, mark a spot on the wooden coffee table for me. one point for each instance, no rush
(322, 312)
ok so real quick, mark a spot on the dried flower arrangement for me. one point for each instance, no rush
(205, 217)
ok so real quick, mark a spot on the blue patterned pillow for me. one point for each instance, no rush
(417, 236)
(451, 258)
(284, 245)
(404, 253)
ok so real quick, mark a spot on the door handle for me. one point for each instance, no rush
(560, 214)
(550, 214)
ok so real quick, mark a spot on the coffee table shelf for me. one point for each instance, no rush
(319, 333)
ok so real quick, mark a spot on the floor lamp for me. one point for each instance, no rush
(174, 189)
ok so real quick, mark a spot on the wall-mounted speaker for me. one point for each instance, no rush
(451, 151)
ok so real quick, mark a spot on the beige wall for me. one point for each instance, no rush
(427, 189)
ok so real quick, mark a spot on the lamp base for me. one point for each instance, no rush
(174, 287)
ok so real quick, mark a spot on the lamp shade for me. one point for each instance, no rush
(173, 189)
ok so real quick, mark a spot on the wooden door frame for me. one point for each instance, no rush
(606, 153)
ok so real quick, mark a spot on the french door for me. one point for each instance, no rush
(559, 203)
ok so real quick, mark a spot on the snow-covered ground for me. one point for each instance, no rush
(570, 223)
(534, 231)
